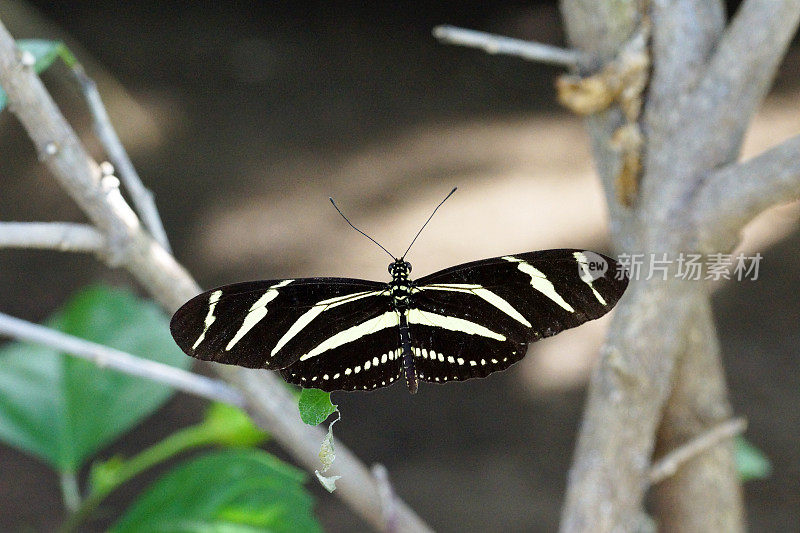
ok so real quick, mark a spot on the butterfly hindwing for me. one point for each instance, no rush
(478, 317)
(272, 324)
(371, 360)
(441, 355)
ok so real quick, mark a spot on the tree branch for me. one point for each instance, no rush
(270, 403)
(705, 494)
(693, 124)
(740, 72)
(70, 492)
(733, 195)
(141, 196)
(628, 388)
(669, 464)
(277, 413)
(497, 44)
(600, 28)
(61, 236)
(107, 357)
(685, 33)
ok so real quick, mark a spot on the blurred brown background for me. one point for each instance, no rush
(243, 117)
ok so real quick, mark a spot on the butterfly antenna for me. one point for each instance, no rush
(429, 219)
(358, 230)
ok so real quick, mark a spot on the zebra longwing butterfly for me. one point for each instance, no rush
(463, 322)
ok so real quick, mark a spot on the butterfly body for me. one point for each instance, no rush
(463, 322)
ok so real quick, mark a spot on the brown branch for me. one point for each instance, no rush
(268, 400)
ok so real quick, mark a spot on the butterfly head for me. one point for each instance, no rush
(400, 269)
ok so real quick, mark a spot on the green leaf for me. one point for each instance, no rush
(63, 409)
(315, 406)
(224, 425)
(230, 426)
(232, 490)
(105, 476)
(751, 463)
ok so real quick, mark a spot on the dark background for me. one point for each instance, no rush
(243, 117)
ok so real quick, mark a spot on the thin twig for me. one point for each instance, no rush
(61, 236)
(497, 44)
(70, 491)
(105, 356)
(141, 196)
(669, 464)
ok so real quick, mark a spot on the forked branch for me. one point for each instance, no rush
(270, 403)
(141, 196)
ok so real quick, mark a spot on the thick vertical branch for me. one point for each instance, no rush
(650, 331)
(705, 87)
(599, 30)
(704, 494)
(685, 33)
(609, 474)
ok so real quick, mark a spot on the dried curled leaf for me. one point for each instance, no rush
(585, 96)
(621, 81)
(327, 456)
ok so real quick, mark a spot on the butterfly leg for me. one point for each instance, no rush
(408, 356)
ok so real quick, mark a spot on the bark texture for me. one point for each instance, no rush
(660, 373)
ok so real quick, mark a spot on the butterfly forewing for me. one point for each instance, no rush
(493, 308)
(272, 324)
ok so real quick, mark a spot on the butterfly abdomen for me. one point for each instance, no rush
(400, 292)
(408, 356)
